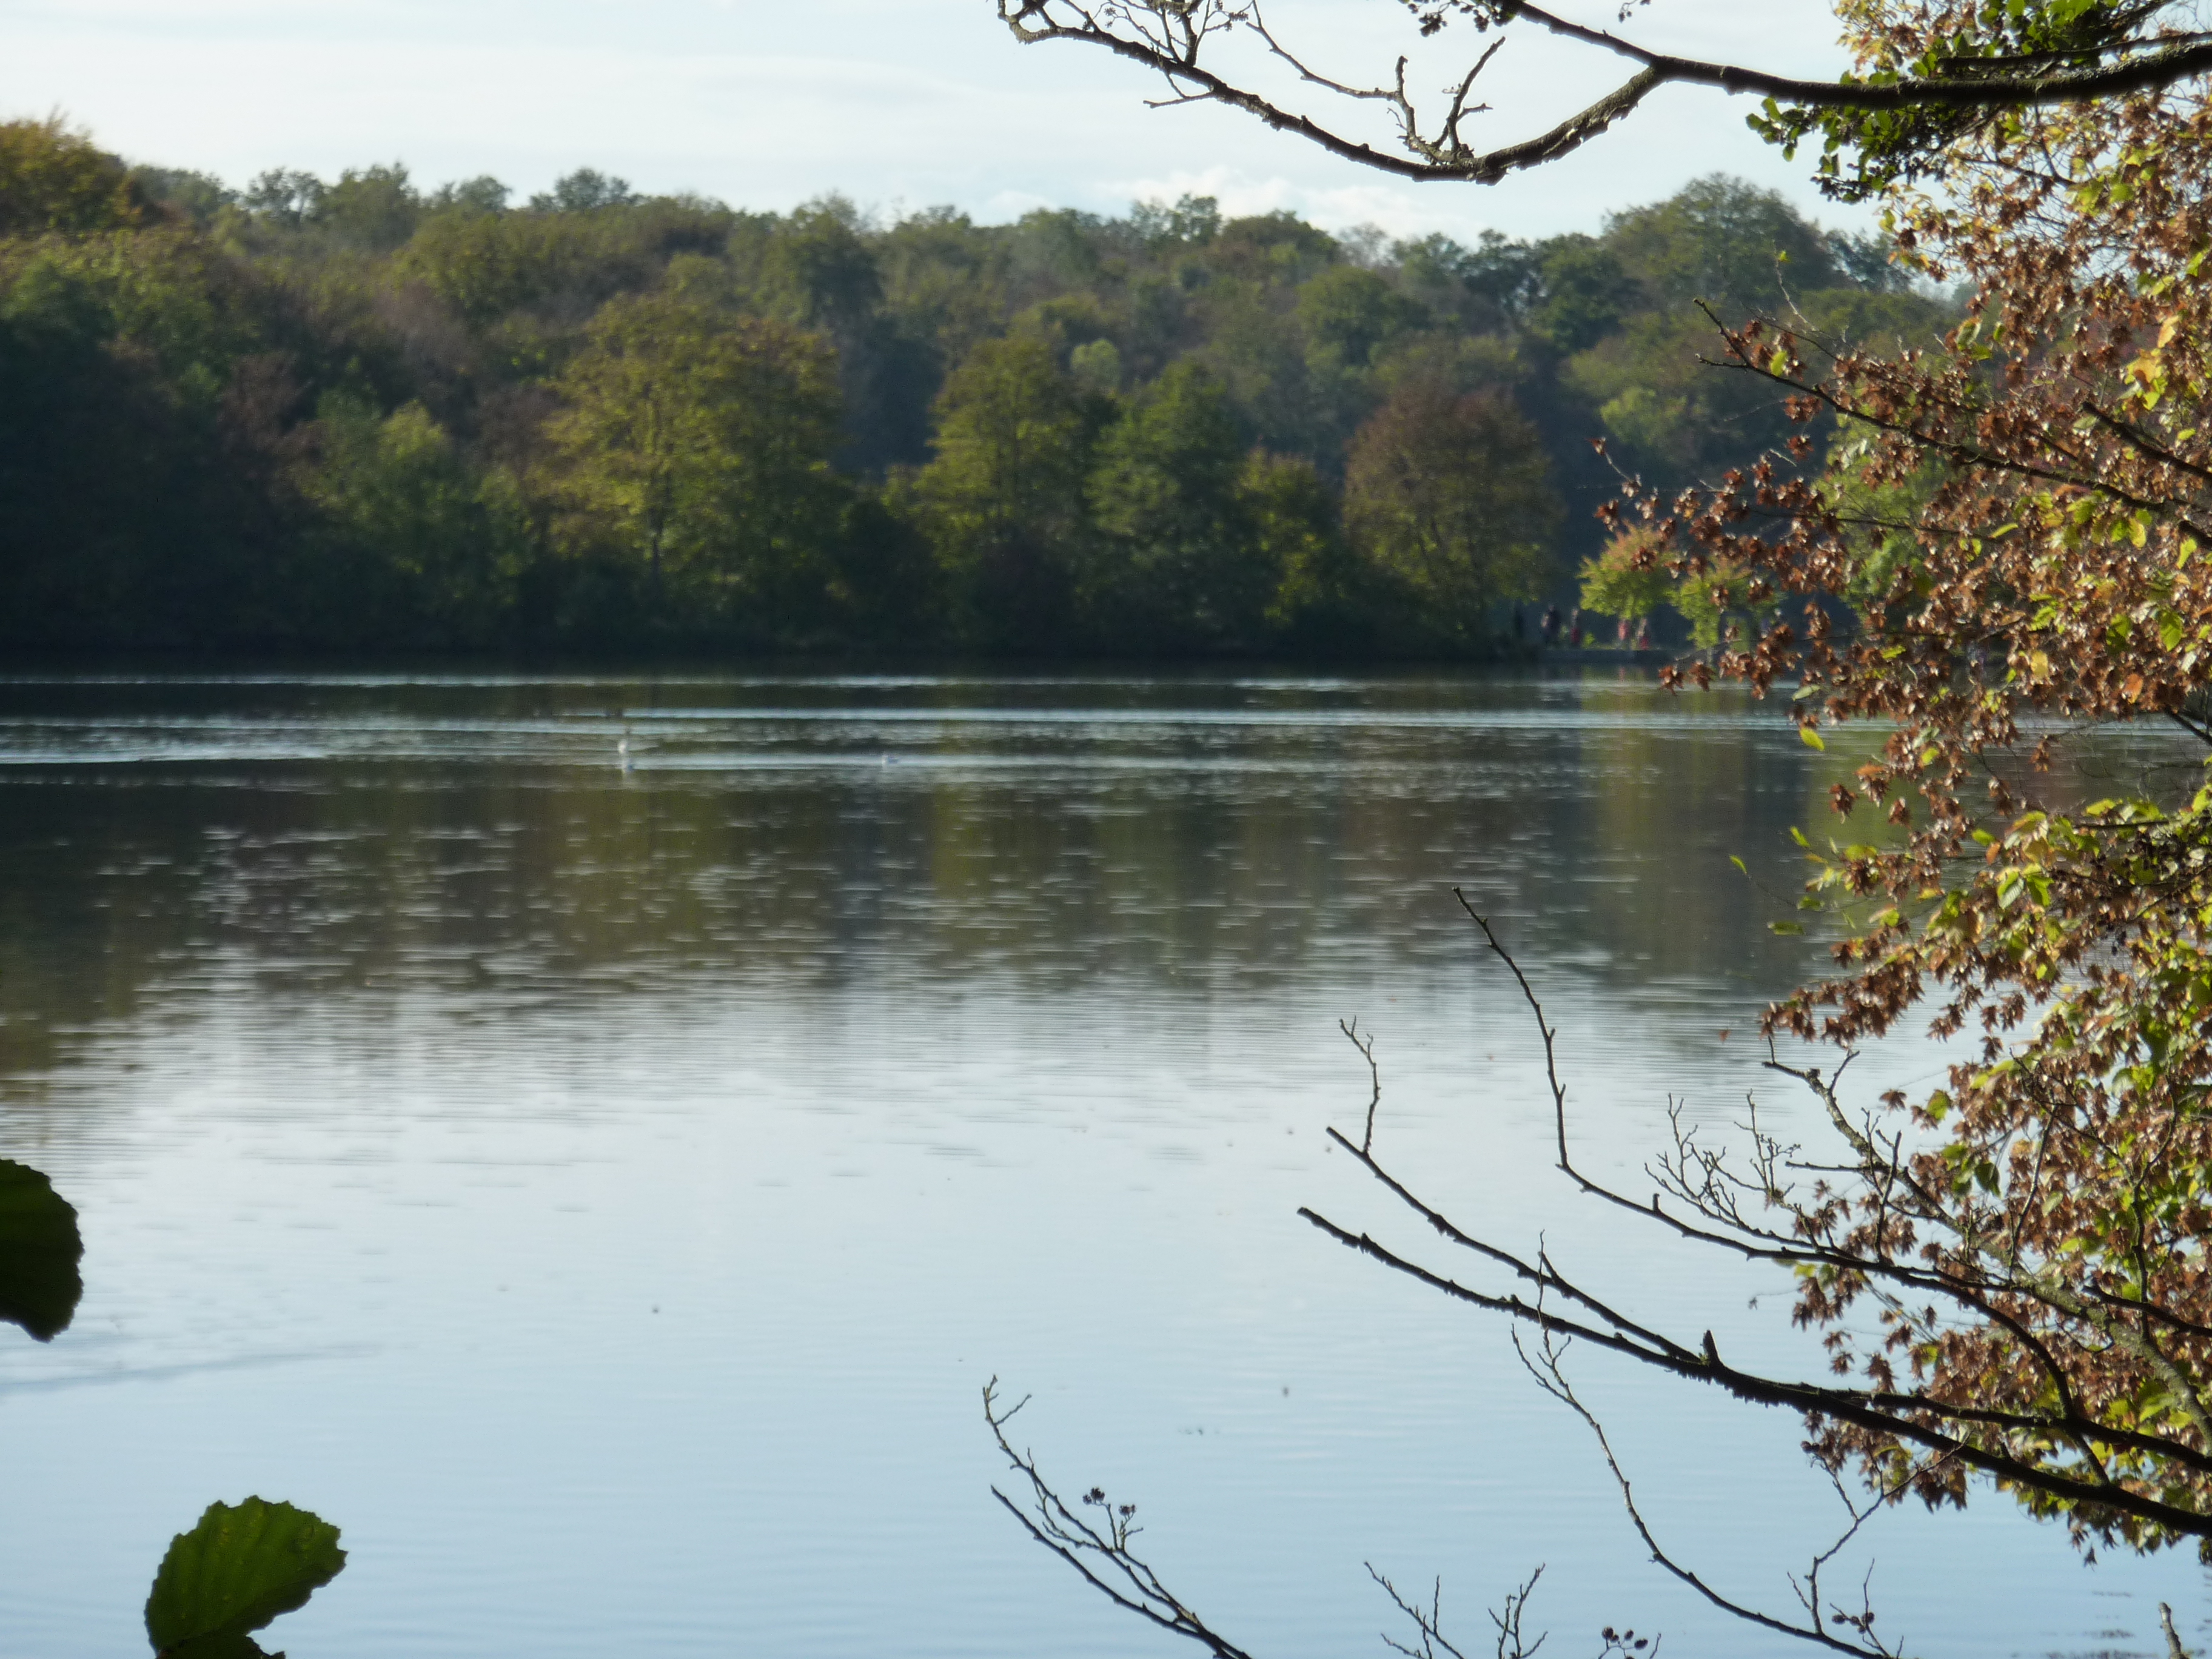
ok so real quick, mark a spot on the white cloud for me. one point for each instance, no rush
(1400, 213)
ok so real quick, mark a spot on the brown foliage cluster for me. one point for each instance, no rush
(2033, 1242)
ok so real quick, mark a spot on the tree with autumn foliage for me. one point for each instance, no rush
(2045, 482)
(1991, 547)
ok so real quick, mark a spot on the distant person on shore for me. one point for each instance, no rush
(1643, 634)
(1551, 624)
(1621, 634)
(1575, 629)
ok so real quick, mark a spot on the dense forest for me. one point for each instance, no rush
(311, 416)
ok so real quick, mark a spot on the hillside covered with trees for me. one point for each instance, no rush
(312, 415)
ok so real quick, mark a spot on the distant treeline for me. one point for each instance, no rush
(357, 415)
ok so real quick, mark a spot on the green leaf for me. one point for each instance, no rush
(1785, 927)
(1810, 738)
(1739, 864)
(238, 1568)
(40, 1249)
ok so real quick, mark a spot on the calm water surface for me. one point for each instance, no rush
(604, 1193)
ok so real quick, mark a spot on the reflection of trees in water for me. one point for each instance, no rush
(1170, 856)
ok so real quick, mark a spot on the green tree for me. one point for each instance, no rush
(481, 194)
(54, 180)
(1194, 221)
(1003, 498)
(195, 198)
(486, 265)
(1098, 364)
(375, 209)
(699, 441)
(585, 191)
(1174, 562)
(140, 497)
(1350, 315)
(285, 196)
(437, 545)
(1283, 399)
(1452, 497)
(1325, 598)
(1587, 293)
(819, 269)
(1719, 239)
(1667, 414)
(1276, 247)
(1629, 579)
(233, 321)
(1724, 604)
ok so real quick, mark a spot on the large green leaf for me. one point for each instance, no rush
(232, 1573)
(40, 1249)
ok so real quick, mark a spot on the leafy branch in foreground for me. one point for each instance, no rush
(2046, 477)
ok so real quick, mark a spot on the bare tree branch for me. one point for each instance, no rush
(1366, 1047)
(1554, 1381)
(1101, 1554)
(2174, 1648)
(2013, 1446)
(1169, 37)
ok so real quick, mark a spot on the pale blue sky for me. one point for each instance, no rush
(898, 103)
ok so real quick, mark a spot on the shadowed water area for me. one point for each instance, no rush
(593, 1139)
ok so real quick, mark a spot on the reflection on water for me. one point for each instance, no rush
(597, 1138)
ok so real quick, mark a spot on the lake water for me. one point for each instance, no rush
(604, 1193)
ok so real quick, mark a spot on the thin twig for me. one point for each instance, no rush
(1366, 1047)
(1554, 1381)
(1104, 1557)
